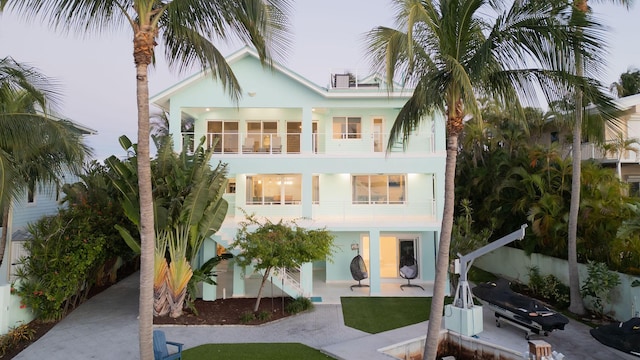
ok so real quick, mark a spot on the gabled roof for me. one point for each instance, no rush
(161, 99)
(628, 102)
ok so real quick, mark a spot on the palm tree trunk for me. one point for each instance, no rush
(442, 262)
(5, 230)
(147, 233)
(576, 305)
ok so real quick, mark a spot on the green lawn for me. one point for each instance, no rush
(378, 314)
(252, 351)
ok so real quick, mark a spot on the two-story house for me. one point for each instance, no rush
(297, 150)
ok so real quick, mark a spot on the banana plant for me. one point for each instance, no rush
(179, 272)
(187, 192)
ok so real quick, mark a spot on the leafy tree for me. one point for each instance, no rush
(628, 84)
(186, 29)
(451, 54)
(268, 246)
(36, 148)
(96, 198)
(534, 184)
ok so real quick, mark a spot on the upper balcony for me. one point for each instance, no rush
(262, 143)
(600, 153)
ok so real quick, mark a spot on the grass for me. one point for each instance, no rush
(377, 314)
(262, 351)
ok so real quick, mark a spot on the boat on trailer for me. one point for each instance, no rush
(624, 336)
(518, 310)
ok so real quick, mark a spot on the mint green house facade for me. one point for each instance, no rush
(300, 151)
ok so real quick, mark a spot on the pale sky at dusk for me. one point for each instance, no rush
(97, 74)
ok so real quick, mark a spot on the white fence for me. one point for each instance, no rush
(515, 264)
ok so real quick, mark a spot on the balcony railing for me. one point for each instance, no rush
(596, 152)
(330, 211)
(291, 143)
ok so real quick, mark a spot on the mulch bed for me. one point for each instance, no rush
(229, 312)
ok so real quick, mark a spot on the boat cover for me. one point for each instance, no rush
(521, 307)
(624, 336)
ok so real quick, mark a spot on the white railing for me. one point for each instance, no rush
(374, 211)
(288, 280)
(321, 143)
(341, 211)
(597, 152)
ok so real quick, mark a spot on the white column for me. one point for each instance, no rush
(209, 248)
(306, 136)
(374, 262)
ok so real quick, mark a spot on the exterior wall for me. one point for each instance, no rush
(22, 213)
(514, 264)
(281, 96)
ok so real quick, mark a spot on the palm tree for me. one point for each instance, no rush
(628, 84)
(618, 147)
(589, 62)
(35, 147)
(187, 28)
(444, 53)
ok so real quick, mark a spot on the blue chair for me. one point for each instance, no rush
(160, 348)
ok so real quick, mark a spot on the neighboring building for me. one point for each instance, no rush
(31, 206)
(621, 150)
(300, 151)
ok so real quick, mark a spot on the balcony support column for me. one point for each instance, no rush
(306, 143)
(374, 262)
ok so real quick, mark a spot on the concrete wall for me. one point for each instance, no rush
(515, 264)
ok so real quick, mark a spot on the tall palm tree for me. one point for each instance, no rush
(628, 84)
(187, 29)
(451, 55)
(35, 147)
(590, 63)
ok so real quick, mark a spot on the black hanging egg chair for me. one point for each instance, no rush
(409, 271)
(358, 271)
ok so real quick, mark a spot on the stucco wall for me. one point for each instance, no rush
(515, 264)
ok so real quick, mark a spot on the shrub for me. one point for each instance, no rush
(299, 304)
(15, 336)
(600, 281)
(247, 317)
(64, 257)
(548, 287)
(264, 315)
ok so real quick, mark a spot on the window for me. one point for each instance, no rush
(262, 136)
(347, 128)
(274, 189)
(223, 136)
(379, 189)
(231, 186)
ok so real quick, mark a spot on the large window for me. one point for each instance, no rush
(262, 136)
(274, 189)
(379, 189)
(223, 136)
(347, 127)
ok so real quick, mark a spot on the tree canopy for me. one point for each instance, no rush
(266, 246)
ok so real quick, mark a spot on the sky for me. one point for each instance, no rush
(97, 75)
